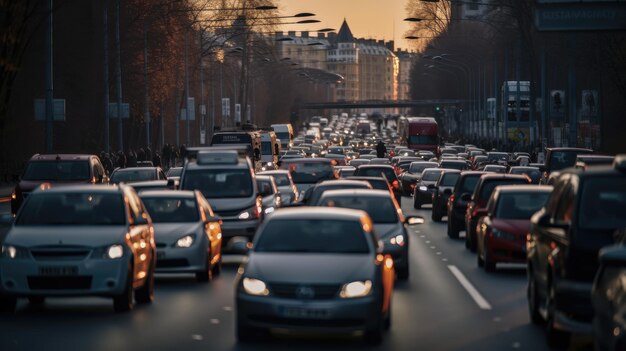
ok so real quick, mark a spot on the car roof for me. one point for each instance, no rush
(61, 157)
(307, 160)
(376, 166)
(100, 188)
(136, 169)
(357, 192)
(168, 193)
(340, 182)
(158, 182)
(273, 172)
(529, 168)
(568, 149)
(524, 188)
(494, 176)
(449, 170)
(470, 173)
(318, 212)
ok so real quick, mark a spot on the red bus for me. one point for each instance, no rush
(422, 134)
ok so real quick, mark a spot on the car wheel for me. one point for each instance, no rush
(245, 334)
(489, 264)
(533, 300)
(124, 301)
(205, 275)
(479, 259)
(452, 232)
(387, 321)
(145, 294)
(375, 336)
(436, 216)
(417, 204)
(467, 239)
(8, 304)
(555, 338)
(403, 273)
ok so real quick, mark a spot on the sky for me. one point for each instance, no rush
(374, 19)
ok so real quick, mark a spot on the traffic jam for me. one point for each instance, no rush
(316, 222)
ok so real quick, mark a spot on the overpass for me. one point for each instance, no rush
(379, 104)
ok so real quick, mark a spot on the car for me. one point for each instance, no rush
(607, 297)
(580, 218)
(532, 172)
(187, 233)
(560, 158)
(359, 161)
(477, 205)
(174, 172)
(425, 187)
(410, 178)
(461, 165)
(499, 158)
(145, 164)
(442, 191)
(457, 202)
(586, 161)
(270, 195)
(367, 156)
(387, 170)
(313, 264)
(478, 162)
(496, 169)
(169, 184)
(344, 171)
(56, 169)
(282, 178)
(380, 161)
(137, 174)
(74, 241)
(306, 172)
(226, 179)
(389, 222)
(501, 234)
(338, 160)
(313, 195)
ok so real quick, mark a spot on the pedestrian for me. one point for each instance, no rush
(165, 154)
(156, 159)
(381, 150)
(131, 158)
(121, 159)
(141, 155)
(148, 153)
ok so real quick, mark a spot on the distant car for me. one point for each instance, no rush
(389, 222)
(154, 185)
(174, 173)
(461, 165)
(477, 205)
(376, 170)
(379, 161)
(586, 161)
(532, 172)
(496, 169)
(313, 195)
(501, 234)
(306, 172)
(76, 241)
(359, 161)
(560, 158)
(330, 276)
(187, 233)
(288, 191)
(145, 164)
(57, 169)
(442, 191)
(412, 175)
(137, 174)
(425, 187)
(344, 171)
(270, 195)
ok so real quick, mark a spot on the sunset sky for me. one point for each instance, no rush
(366, 18)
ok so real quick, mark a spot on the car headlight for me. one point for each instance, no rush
(255, 287)
(115, 251)
(397, 240)
(356, 289)
(269, 210)
(503, 235)
(9, 251)
(185, 241)
(423, 188)
(250, 213)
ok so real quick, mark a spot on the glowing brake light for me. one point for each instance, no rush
(395, 184)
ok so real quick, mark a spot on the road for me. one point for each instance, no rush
(448, 304)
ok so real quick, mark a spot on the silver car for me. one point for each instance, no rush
(188, 235)
(79, 241)
(269, 193)
(315, 269)
(288, 191)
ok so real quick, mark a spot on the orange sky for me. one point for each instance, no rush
(366, 18)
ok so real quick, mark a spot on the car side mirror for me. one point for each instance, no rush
(544, 220)
(412, 220)
(466, 197)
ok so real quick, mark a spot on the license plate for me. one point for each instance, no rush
(58, 271)
(160, 254)
(308, 313)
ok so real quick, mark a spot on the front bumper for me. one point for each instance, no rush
(88, 277)
(424, 197)
(333, 315)
(506, 251)
(181, 260)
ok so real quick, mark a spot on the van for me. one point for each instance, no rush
(284, 132)
(269, 148)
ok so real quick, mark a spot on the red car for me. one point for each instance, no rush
(501, 235)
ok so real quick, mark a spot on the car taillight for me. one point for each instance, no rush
(451, 199)
(395, 184)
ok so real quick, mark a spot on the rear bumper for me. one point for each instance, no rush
(574, 311)
(506, 251)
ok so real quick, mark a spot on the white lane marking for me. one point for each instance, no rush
(228, 309)
(427, 241)
(433, 247)
(422, 236)
(438, 252)
(197, 337)
(516, 345)
(471, 290)
(215, 321)
(444, 259)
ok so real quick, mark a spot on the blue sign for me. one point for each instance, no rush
(587, 16)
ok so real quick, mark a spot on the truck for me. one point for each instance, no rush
(251, 140)
(422, 133)
(284, 132)
(270, 150)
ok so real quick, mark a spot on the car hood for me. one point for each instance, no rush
(387, 230)
(228, 204)
(165, 232)
(30, 236)
(30, 185)
(513, 226)
(315, 268)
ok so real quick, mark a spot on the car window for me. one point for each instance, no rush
(219, 183)
(281, 179)
(132, 175)
(468, 184)
(310, 172)
(449, 179)
(381, 210)
(57, 170)
(73, 209)
(431, 176)
(603, 204)
(520, 205)
(489, 186)
(375, 172)
(565, 207)
(312, 236)
(171, 210)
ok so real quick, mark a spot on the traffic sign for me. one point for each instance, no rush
(580, 16)
(58, 113)
(191, 107)
(225, 107)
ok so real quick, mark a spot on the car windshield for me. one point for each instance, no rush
(57, 170)
(431, 176)
(417, 168)
(73, 208)
(487, 187)
(469, 183)
(175, 172)
(284, 137)
(128, 175)
(423, 139)
(454, 165)
(266, 148)
(319, 190)
(497, 156)
(381, 210)
(375, 172)
(533, 173)
(449, 179)
(219, 183)
(171, 210)
(520, 205)
(312, 236)
(603, 204)
(310, 172)
(281, 179)
(562, 159)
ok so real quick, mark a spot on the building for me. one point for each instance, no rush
(471, 9)
(304, 50)
(406, 60)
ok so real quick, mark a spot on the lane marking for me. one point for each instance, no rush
(427, 241)
(444, 259)
(471, 290)
(433, 247)
(438, 252)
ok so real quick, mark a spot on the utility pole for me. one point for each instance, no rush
(202, 112)
(177, 106)
(105, 23)
(118, 77)
(544, 100)
(146, 113)
(187, 88)
(571, 79)
(49, 81)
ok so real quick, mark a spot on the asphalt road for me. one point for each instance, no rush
(448, 304)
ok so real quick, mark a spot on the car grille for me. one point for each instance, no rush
(228, 213)
(293, 291)
(59, 253)
(302, 322)
(172, 263)
(59, 283)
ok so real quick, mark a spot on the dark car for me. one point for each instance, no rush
(454, 164)
(477, 205)
(306, 172)
(501, 234)
(57, 169)
(442, 191)
(425, 187)
(581, 216)
(457, 202)
(387, 171)
(412, 175)
(377, 183)
(137, 174)
(532, 172)
(559, 158)
(312, 195)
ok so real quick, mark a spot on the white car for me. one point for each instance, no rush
(86, 240)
